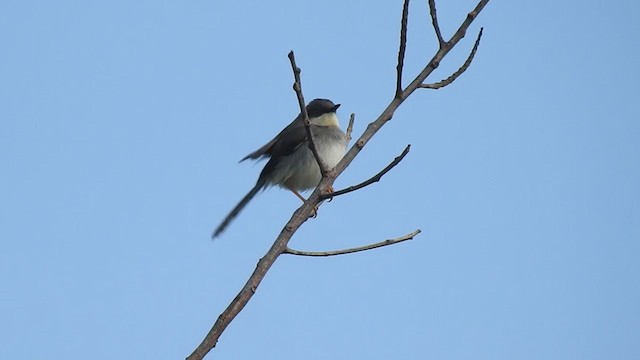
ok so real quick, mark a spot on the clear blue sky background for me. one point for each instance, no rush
(121, 127)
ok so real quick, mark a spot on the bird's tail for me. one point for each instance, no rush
(236, 210)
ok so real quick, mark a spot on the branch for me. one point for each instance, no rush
(302, 214)
(434, 21)
(297, 87)
(460, 71)
(444, 50)
(403, 47)
(352, 119)
(353, 250)
(372, 180)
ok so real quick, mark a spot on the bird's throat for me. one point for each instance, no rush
(328, 119)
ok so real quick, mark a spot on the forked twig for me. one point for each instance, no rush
(460, 71)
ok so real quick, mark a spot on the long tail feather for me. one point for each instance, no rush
(236, 210)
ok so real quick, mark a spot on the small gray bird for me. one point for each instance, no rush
(292, 164)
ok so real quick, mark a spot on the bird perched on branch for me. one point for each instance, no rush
(291, 162)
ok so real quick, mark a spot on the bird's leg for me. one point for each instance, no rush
(296, 193)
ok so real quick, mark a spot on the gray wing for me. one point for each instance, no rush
(284, 145)
(288, 142)
(294, 135)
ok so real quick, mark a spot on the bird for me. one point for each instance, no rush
(291, 164)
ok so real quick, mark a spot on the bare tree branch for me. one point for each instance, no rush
(434, 21)
(302, 214)
(460, 71)
(371, 180)
(403, 47)
(355, 249)
(297, 87)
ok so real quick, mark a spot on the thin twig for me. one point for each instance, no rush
(402, 49)
(352, 119)
(372, 180)
(297, 87)
(434, 20)
(460, 71)
(353, 250)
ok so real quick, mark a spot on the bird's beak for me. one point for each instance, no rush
(335, 107)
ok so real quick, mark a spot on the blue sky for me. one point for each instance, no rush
(122, 124)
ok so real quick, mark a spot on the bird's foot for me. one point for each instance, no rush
(330, 191)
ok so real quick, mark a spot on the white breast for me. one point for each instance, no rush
(300, 170)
